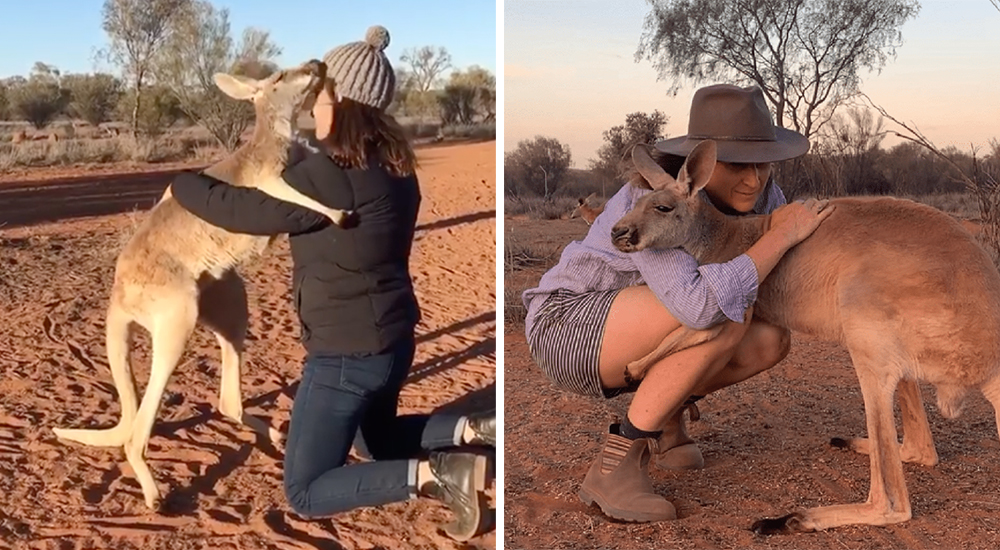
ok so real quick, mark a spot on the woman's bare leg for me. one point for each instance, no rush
(638, 321)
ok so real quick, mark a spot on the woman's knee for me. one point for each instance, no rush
(764, 346)
(784, 344)
(731, 336)
(297, 496)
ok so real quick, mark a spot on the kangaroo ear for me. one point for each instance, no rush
(235, 86)
(580, 201)
(698, 167)
(653, 173)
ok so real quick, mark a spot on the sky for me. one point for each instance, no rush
(570, 73)
(67, 33)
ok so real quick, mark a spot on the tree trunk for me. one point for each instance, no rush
(138, 101)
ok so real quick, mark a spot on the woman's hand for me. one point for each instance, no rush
(797, 220)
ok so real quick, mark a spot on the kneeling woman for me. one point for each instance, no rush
(599, 309)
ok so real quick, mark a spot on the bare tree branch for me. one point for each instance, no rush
(805, 55)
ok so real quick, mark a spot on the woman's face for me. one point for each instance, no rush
(323, 113)
(738, 185)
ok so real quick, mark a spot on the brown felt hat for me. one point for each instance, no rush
(741, 125)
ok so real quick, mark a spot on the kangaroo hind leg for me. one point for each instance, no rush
(118, 336)
(888, 500)
(171, 328)
(918, 442)
(222, 307)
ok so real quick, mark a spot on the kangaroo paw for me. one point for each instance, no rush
(792, 523)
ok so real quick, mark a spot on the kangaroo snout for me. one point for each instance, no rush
(625, 238)
(317, 68)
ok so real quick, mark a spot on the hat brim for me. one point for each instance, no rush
(788, 144)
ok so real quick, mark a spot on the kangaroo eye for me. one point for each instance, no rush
(662, 208)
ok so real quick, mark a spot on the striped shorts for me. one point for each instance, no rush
(566, 338)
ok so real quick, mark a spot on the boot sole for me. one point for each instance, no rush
(479, 484)
(622, 515)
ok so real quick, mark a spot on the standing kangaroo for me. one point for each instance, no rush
(584, 211)
(178, 270)
(901, 285)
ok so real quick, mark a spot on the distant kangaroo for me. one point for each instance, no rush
(178, 270)
(584, 211)
(902, 285)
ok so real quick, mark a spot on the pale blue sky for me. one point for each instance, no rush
(66, 33)
(570, 73)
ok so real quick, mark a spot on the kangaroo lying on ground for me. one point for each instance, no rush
(902, 285)
(584, 211)
(178, 270)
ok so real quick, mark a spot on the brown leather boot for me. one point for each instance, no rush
(618, 481)
(677, 450)
(459, 482)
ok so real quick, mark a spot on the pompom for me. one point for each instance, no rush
(378, 37)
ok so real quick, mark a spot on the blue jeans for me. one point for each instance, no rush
(338, 395)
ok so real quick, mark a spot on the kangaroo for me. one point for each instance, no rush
(587, 213)
(177, 271)
(903, 286)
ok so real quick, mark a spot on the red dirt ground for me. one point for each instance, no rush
(766, 448)
(222, 486)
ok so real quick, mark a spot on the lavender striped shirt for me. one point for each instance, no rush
(697, 296)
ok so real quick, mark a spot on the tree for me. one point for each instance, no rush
(43, 72)
(4, 102)
(40, 98)
(136, 30)
(425, 65)
(853, 142)
(806, 55)
(93, 97)
(423, 105)
(158, 110)
(638, 128)
(398, 105)
(536, 166)
(467, 96)
(199, 46)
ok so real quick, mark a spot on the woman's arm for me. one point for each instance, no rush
(698, 296)
(702, 296)
(241, 209)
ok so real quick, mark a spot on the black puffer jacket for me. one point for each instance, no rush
(352, 287)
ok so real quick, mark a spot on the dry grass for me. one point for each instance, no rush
(77, 143)
(483, 130)
(964, 205)
(522, 266)
(36, 154)
(537, 208)
(81, 143)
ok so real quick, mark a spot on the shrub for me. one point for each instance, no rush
(37, 101)
(93, 97)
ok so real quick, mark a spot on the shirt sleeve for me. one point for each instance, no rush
(242, 209)
(699, 296)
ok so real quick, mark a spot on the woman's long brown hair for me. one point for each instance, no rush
(362, 133)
